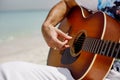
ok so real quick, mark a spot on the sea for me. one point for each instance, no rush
(19, 23)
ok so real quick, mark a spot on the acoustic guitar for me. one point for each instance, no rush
(94, 46)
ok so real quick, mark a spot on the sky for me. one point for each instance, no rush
(26, 4)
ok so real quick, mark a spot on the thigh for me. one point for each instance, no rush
(30, 71)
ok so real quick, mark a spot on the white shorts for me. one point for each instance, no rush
(30, 71)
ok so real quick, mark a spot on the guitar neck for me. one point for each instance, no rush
(102, 47)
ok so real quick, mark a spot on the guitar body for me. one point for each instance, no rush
(83, 64)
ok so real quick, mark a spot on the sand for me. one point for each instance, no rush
(32, 48)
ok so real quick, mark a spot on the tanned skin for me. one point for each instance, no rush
(55, 16)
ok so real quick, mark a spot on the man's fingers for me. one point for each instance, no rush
(59, 44)
(63, 34)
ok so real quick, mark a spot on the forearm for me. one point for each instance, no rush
(50, 33)
(58, 12)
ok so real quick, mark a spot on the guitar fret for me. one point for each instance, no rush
(108, 51)
(109, 54)
(95, 42)
(104, 51)
(83, 47)
(89, 42)
(101, 42)
(113, 50)
(118, 51)
(87, 47)
(102, 48)
(97, 45)
(86, 44)
(92, 44)
(107, 48)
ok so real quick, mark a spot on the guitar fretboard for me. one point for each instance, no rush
(103, 47)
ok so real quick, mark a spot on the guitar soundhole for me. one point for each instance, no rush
(78, 43)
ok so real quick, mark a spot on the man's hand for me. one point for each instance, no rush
(51, 35)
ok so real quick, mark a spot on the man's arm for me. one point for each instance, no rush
(56, 14)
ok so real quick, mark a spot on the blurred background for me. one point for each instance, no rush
(22, 15)
(26, 4)
(20, 30)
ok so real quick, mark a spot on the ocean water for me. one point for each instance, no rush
(15, 24)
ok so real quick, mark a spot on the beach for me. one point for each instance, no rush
(32, 48)
(21, 37)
